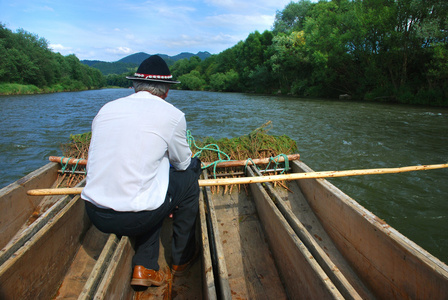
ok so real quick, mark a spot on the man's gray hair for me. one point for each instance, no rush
(155, 88)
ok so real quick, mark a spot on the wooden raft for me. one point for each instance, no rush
(310, 241)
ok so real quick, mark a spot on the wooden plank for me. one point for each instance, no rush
(82, 264)
(99, 268)
(208, 279)
(250, 265)
(393, 266)
(302, 275)
(16, 207)
(116, 281)
(24, 235)
(36, 270)
(28, 230)
(219, 261)
(306, 225)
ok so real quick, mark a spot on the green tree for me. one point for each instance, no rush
(292, 17)
(185, 66)
(26, 59)
(224, 82)
(252, 54)
(192, 81)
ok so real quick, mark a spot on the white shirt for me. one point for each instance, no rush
(134, 140)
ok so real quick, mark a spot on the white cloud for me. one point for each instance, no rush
(150, 26)
(119, 50)
(60, 48)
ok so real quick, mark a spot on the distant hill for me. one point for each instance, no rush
(131, 62)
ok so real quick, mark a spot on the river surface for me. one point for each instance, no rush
(331, 135)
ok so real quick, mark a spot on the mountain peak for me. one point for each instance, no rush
(137, 58)
(134, 60)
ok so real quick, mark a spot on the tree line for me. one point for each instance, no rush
(381, 50)
(27, 62)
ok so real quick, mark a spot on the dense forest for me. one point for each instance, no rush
(378, 50)
(27, 65)
(383, 50)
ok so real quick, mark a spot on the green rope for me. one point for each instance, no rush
(275, 160)
(214, 147)
(209, 147)
(76, 165)
(246, 164)
(63, 167)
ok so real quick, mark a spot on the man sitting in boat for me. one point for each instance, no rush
(140, 170)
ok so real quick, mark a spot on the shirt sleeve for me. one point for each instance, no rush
(178, 149)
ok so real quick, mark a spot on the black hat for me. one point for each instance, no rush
(154, 68)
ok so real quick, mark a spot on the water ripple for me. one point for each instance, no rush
(331, 135)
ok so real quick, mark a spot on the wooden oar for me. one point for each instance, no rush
(224, 164)
(272, 178)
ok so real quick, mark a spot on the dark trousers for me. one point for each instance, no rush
(181, 200)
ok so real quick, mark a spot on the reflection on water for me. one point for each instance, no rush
(331, 135)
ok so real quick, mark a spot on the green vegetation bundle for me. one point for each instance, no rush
(257, 144)
(77, 146)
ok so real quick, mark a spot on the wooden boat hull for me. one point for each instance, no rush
(258, 254)
(309, 241)
(51, 241)
(61, 255)
(324, 245)
(391, 265)
(16, 207)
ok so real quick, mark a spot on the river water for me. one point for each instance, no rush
(331, 135)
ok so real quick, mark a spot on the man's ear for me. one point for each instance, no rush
(166, 94)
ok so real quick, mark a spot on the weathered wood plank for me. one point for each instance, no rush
(219, 260)
(250, 265)
(99, 268)
(82, 264)
(306, 225)
(25, 234)
(16, 207)
(390, 264)
(302, 275)
(36, 270)
(115, 283)
(55, 203)
(208, 279)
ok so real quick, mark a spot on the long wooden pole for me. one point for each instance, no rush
(69, 160)
(272, 178)
(257, 161)
(224, 164)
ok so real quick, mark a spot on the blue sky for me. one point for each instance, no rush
(110, 30)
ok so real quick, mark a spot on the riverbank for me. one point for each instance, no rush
(7, 89)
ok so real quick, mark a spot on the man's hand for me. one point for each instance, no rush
(195, 165)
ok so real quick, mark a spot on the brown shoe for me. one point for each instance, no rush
(147, 277)
(180, 270)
